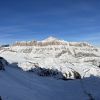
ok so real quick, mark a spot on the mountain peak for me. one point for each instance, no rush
(50, 39)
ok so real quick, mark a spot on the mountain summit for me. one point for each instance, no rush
(50, 39)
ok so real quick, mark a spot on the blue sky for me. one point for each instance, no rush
(71, 20)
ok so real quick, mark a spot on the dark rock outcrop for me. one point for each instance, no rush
(76, 75)
(99, 66)
(3, 63)
(0, 98)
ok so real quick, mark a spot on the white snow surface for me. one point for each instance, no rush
(79, 56)
(17, 84)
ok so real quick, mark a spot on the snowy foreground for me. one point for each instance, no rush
(43, 70)
(18, 85)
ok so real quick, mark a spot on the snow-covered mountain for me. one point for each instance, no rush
(69, 58)
(22, 64)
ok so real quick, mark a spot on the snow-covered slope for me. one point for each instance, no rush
(16, 84)
(51, 53)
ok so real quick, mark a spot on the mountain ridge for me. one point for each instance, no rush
(50, 41)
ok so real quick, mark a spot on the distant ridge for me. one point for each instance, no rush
(50, 41)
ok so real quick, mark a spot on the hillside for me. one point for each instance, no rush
(16, 84)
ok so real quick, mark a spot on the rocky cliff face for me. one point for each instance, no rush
(50, 41)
